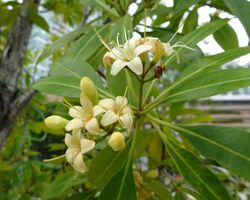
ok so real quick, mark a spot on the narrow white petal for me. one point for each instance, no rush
(92, 126)
(142, 48)
(130, 45)
(87, 145)
(97, 109)
(127, 110)
(109, 118)
(76, 112)
(136, 65)
(107, 104)
(78, 164)
(117, 66)
(126, 121)
(74, 123)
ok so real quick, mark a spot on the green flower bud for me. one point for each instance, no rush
(117, 141)
(55, 122)
(152, 173)
(88, 89)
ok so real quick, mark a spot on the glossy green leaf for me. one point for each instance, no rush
(160, 189)
(241, 9)
(78, 70)
(196, 36)
(60, 43)
(87, 45)
(228, 146)
(39, 20)
(226, 37)
(194, 172)
(210, 63)
(210, 84)
(191, 22)
(118, 29)
(183, 4)
(59, 86)
(106, 164)
(121, 186)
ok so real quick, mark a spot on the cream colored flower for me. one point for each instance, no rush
(77, 146)
(55, 122)
(117, 141)
(157, 47)
(116, 110)
(84, 116)
(127, 55)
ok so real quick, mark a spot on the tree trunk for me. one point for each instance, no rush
(11, 62)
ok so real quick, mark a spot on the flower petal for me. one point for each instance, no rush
(136, 65)
(130, 45)
(120, 103)
(97, 109)
(109, 118)
(108, 104)
(117, 66)
(86, 104)
(71, 153)
(78, 164)
(126, 121)
(76, 112)
(74, 123)
(87, 145)
(92, 126)
(142, 48)
(72, 141)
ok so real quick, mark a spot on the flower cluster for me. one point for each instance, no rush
(91, 119)
(132, 53)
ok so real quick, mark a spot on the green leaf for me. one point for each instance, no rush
(210, 84)
(58, 186)
(210, 63)
(241, 9)
(59, 85)
(183, 4)
(39, 20)
(226, 37)
(124, 24)
(106, 164)
(191, 22)
(160, 189)
(76, 71)
(86, 46)
(60, 43)
(202, 179)
(121, 186)
(228, 146)
(196, 36)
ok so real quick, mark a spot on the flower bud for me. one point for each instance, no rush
(89, 90)
(168, 49)
(55, 122)
(152, 173)
(117, 141)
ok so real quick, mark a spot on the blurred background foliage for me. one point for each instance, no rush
(23, 175)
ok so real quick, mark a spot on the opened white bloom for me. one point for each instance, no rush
(77, 146)
(116, 110)
(84, 116)
(127, 55)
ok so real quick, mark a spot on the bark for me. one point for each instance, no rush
(11, 63)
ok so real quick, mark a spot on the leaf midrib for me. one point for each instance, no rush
(57, 83)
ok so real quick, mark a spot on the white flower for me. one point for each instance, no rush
(84, 116)
(116, 110)
(127, 55)
(77, 146)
